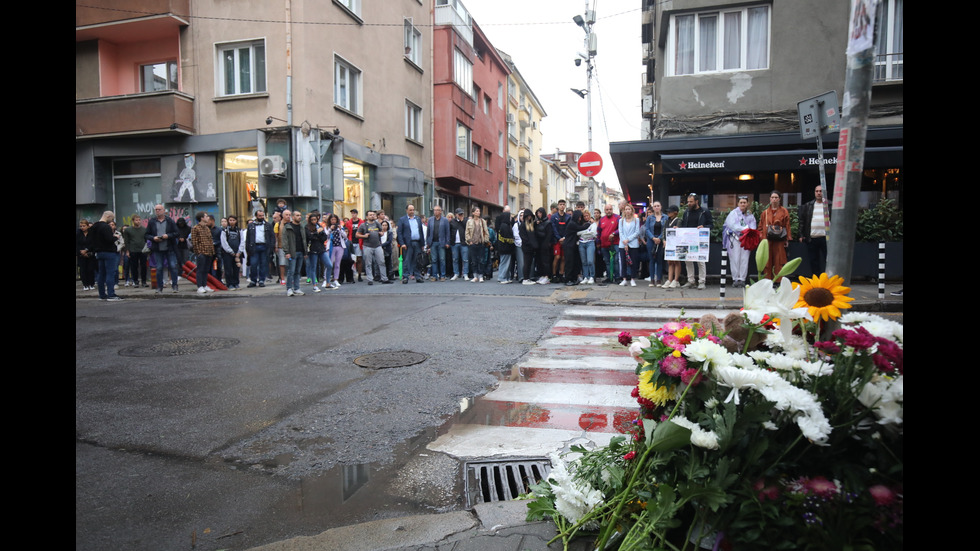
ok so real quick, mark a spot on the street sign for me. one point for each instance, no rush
(819, 115)
(589, 164)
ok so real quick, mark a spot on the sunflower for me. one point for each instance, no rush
(823, 296)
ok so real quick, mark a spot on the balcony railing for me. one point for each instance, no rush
(167, 111)
(447, 15)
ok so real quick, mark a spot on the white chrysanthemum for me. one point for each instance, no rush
(814, 427)
(738, 378)
(856, 317)
(711, 403)
(885, 397)
(573, 498)
(699, 437)
(818, 368)
(743, 361)
(885, 329)
(759, 355)
(781, 362)
(703, 350)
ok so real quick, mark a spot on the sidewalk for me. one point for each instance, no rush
(864, 293)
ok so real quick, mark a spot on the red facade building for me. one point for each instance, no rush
(469, 114)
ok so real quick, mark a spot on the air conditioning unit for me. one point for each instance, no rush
(272, 165)
(510, 118)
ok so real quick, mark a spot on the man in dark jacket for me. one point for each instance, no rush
(814, 225)
(457, 241)
(437, 243)
(162, 233)
(696, 217)
(294, 247)
(259, 240)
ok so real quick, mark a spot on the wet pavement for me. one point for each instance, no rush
(572, 386)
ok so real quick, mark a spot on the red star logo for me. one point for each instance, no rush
(683, 166)
(803, 161)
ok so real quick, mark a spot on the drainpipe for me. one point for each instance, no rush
(289, 63)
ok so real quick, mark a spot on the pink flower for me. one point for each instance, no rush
(625, 339)
(883, 495)
(859, 338)
(829, 347)
(691, 377)
(673, 366)
(629, 456)
(821, 486)
(770, 492)
(636, 392)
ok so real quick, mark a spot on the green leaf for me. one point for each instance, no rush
(666, 436)
(762, 256)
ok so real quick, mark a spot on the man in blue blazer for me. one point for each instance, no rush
(411, 240)
(437, 243)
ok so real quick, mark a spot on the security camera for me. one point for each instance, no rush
(578, 62)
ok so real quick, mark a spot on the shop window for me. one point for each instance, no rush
(242, 68)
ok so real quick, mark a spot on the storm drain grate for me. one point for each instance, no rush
(179, 347)
(489, 481)
(383, 360)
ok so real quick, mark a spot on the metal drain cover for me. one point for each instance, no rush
(179, 347)
(383, 360)
(489, 481)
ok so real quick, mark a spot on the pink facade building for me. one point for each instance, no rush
(469, 114)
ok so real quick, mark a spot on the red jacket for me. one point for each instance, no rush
(609, 231)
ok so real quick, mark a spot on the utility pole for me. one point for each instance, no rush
(586, 21)
(862, 35)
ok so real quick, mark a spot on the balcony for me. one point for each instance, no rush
(128, 20)
(524, 152)
(524, 115)
(889, 68)
(167, 112)
(455, 15)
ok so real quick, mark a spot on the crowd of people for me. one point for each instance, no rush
(541, 246)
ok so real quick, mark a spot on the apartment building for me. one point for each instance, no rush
(470, 109)
(721, 81)
(524, 139)
(225, 106)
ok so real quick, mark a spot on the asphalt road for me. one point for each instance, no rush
(229, 423)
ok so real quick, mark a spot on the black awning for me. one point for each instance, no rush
(875, 157)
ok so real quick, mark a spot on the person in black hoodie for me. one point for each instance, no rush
(529, 244)
(505, 244)
(106, 256)
(570, 247)
(545, 236)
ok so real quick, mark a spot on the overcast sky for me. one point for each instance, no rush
(543, 41)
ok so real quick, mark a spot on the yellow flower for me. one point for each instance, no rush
(823, 296)
(685, 332)
(659, 395)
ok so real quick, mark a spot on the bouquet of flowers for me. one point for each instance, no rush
(787, 441)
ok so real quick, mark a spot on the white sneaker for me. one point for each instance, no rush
(201, 291)
(208, 290)
(647, 279)
(622, 283)
(527, 282)
(289, 292)
(481, 279)
(298, 292)
(466, 278)
(632, 283)
(701, 286)
(674, 284)
(543, 280)
(316, 289)
(454, 278)
(336, 284)
(505, 282)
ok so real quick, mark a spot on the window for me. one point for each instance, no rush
(500, 143)
(353, 6)
(500, 94)
(729, 40)
(890, 61)
(347, 86)
(413, 43)
(463, 71)
(413, 122)
(463, 142)
(242, 67)
(486, 105)
(487, 156)
(158, 76)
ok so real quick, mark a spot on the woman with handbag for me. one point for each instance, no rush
(775, 226)
(654, 231)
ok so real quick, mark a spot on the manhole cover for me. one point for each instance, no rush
(489, 481)
(179, 347)
(383, 360)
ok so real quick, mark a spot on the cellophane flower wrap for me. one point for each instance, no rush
(795, 444)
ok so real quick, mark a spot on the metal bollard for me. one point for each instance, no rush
(724, 272)
(881, 271)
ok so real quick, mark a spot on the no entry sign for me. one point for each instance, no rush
(589, 164)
